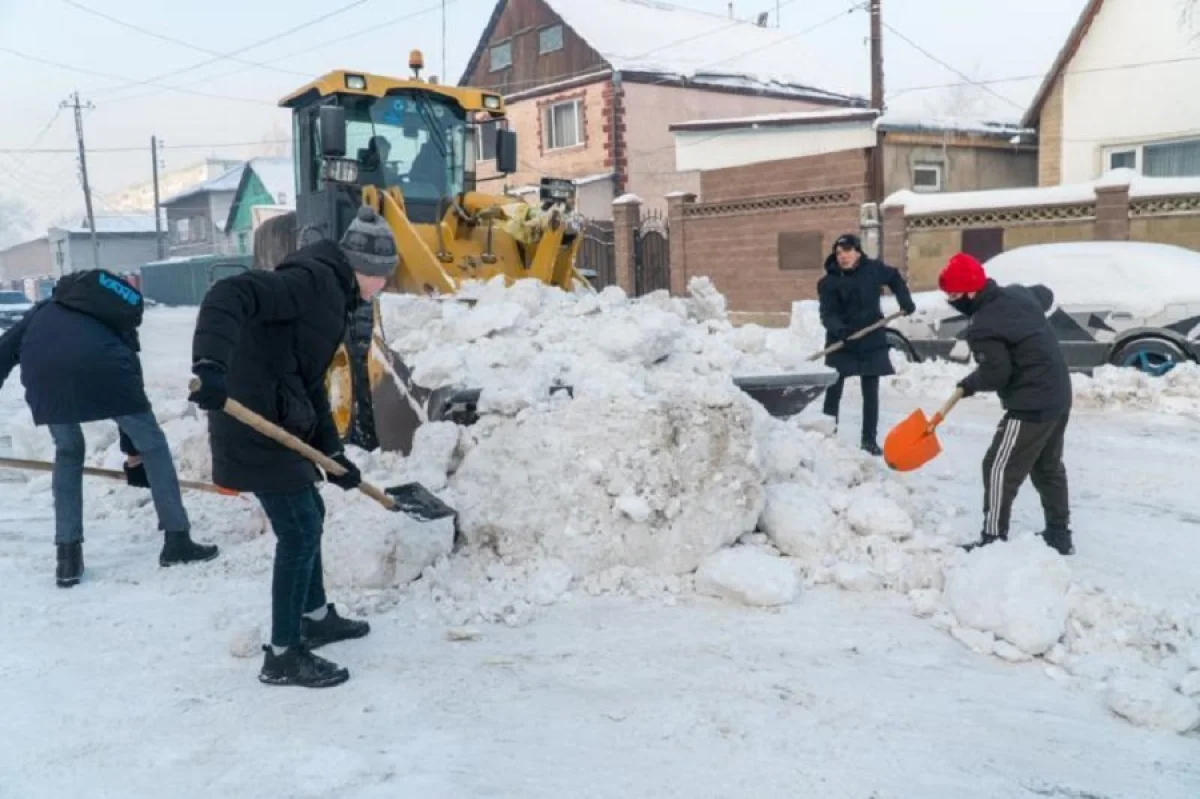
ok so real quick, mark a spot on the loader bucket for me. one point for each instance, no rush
(785, 395)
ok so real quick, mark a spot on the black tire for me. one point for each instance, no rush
(900, 344)
(1151, 355)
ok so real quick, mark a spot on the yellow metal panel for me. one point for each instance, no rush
(379, 85)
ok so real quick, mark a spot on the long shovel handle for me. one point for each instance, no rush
(43, 466)
(940, 416)
(272, 431)
(857, 335)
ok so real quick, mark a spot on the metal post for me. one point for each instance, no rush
(876, 192)
(87, 190)
(445, 74)
(158, 233)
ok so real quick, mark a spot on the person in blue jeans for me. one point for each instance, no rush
(266, 339)
(78, 353)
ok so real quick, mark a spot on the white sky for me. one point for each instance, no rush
(986, 41)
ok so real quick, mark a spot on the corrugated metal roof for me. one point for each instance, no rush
(227, 181)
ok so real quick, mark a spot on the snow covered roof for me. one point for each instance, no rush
(115, 224)
(226, 181)
(276, 175)
(657, 38)
(779, 120)
(974, 127)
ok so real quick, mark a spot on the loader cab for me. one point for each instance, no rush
(353, 130)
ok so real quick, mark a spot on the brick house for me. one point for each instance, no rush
(1121, 94)
(592, 87)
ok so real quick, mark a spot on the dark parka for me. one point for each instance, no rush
(850, 301)
(276, 334)
(74, 367)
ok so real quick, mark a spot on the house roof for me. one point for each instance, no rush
(226, 181)
(1068, 51)
(115, 224)
(276, 175)
(657, 38)
(970, 127)
(887, 122)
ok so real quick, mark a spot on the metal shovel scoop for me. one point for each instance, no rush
(413, 499)
(913, 442)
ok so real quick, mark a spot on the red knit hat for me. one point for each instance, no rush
(962, 275)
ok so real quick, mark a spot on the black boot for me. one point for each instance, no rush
(331, 628)
(180, 548)
(985, 540)
(870, 447)
(298, 666)
(1058, 539)
(70, 565)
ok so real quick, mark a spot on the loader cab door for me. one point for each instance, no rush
(322, 210)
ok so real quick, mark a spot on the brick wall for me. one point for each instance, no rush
(732, 232)
(1050, 137)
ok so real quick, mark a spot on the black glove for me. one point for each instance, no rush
(966, 390)
(136, 476)
(211, 395)
(349, 481)
(910, 310)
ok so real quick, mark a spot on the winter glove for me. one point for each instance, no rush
(136, 476)
(349, 481)
(965, 388)
(212, 394)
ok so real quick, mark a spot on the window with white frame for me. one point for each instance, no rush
(562, 125)
(927, 177)
(1178, 158)
(500, 56)
(487, 140)
(1124, 158)
(550, 39)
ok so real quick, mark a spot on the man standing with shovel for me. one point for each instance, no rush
(266, 340)
(1019, 358)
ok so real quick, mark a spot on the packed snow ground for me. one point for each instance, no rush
(593, 637)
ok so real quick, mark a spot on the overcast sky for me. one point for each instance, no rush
(986, 41)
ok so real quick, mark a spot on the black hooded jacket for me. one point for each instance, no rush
(850, 301)
(276, 334)
(1017, 353)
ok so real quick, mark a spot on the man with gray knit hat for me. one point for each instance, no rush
(267, 339)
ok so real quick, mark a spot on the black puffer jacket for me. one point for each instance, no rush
(276, 334)
(850, 301)
(1018, 354)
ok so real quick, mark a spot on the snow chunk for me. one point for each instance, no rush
(1190, 685)
(749, 576)
(246, 642)
(798, 520)
(375, 549)
(1150, 703)
(870, 513)
(1016, 590)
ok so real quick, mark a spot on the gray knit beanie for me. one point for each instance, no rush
(369, 245)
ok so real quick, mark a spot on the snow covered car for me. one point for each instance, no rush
(13, 305)
(1122, 303)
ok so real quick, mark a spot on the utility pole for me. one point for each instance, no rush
(158, 234)
(877, 97)
(87, 189)
(445, 75)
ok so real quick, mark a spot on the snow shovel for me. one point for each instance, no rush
(43, 466)
(413, 499)
(884, 322)
(914, 442)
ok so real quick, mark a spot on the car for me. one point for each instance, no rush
(13, 305)
(1134, 304)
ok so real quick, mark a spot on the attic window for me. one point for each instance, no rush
(927, 177)
(550, 39)
(501, 56)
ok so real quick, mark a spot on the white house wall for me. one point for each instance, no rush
(716, 149)
(1129, 106)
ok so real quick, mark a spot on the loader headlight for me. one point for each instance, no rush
(491, 102)
(356, 83)
(339, 170)
(556, 190)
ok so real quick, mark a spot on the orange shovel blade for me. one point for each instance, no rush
(911, 444)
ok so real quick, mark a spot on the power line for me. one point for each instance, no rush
(962, 75)
(142, 148)
(173, 40)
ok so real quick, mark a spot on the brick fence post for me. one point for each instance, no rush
(627, 217)
(895, 237)
(1112, 210)
(677, 203)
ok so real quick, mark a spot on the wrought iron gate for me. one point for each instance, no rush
(597, 257)
(652, 255)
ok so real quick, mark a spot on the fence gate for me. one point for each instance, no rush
(652, 255)
(597, 255)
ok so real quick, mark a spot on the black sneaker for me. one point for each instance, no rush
(871, 448)
(298, 666)
(1058, 539)
(314, 634)
(70, 565)
(984, 541)
(180, 548)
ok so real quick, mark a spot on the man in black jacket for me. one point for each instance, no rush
(1019, 358)
(266, 339)
(78, 357)
(849, 296)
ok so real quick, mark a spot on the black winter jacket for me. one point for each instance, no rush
(276, 333)
(1017, 353)
(74, 367)
(850, 301)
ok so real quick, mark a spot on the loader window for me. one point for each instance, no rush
(416, 143)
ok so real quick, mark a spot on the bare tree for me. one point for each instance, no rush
(963, 101)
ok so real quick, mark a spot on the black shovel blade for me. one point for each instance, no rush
(419, 502)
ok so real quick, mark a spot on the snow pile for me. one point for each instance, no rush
(1178, 391)
(747, 575)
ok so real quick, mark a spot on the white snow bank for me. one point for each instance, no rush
(749, 576)
(1150, 703)
(1178, 391)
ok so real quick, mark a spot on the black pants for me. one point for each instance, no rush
(870, 392)
(298, 584)
(1023, 449)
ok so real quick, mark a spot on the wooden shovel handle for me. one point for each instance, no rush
(276, 433)
(857, 335)
(112, 474)
(940, 416)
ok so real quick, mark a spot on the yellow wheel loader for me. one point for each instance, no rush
(408, 147)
